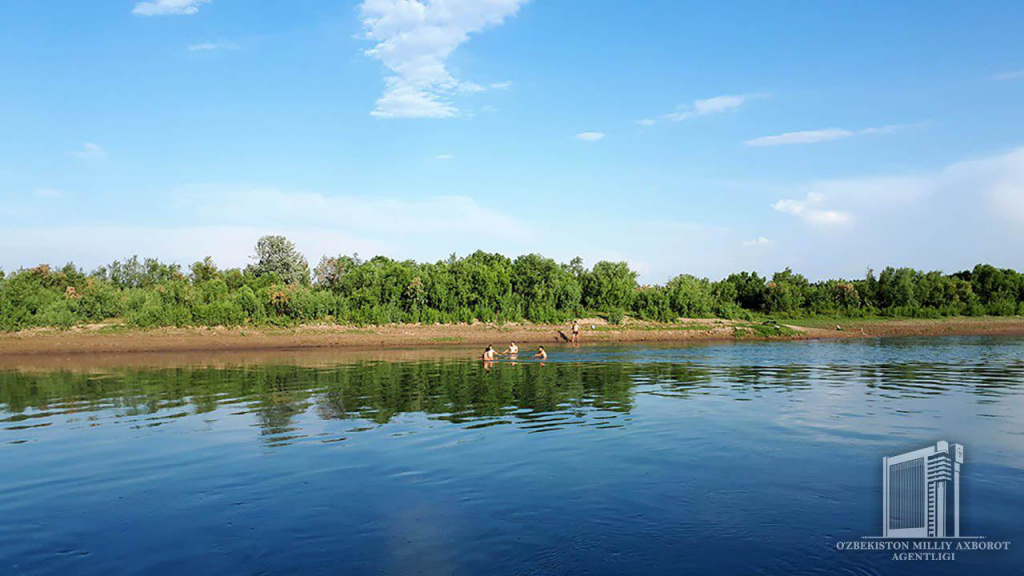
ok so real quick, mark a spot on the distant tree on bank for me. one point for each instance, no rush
(276, 290)
(277, 255)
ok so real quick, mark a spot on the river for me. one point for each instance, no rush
(721, 458)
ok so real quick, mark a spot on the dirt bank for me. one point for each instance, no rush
(115, 339)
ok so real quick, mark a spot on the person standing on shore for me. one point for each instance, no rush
(575, 331)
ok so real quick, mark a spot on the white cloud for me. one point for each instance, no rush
(1012, 75)
(947, 219)
(90, 151)
(815, 136)
(168, 7)
(803, 137)
(440, 216)
(226, 222)
(444, 157)
(813, 211)
(703, 107)
(590, 136)
(90, 246)
(1001, 180)
(414, 40)
(714, 106)
(215, 45)
(501, 85)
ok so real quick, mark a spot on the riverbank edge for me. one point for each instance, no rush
(115, 338)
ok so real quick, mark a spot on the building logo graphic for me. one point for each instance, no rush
(921, 508)
(921, 492)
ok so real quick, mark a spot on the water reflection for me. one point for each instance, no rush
(593, 387)
(745, 459)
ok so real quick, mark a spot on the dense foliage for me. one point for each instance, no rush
(278, 289)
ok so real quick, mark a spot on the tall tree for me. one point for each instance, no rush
(277, 255)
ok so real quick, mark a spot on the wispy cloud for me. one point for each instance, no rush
(813, 210)
(816, 136)
(501, 85)
(919, 220)
(90, 151)
(702, 107)
(759, 241)
(414, 40)
(215, 45)
(1012, 75)
(168, 7)
(590, 136)
(444, 157)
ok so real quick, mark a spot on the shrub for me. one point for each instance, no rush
(690, 297)
(251, 306)
(652, 303)
(479, 287)
(219, 313)
(100, 300)
(616, 316)
(609, 285)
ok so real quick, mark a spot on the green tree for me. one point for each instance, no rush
(204, 271)
(277, 255)
(609, 285)
(896, 288)
(690, 297)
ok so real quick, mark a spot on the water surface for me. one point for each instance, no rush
(750, 458)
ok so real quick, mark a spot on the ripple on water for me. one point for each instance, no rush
(747, 459)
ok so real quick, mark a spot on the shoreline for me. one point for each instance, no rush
(108, 339)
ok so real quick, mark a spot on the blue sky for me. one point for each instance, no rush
(683, 137)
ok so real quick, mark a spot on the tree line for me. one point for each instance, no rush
(279, 289)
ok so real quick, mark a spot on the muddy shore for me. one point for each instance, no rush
(112, 340)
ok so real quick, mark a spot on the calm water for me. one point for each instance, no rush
(717, 459)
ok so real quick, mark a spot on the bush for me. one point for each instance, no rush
(652, 303)
(220, 313)
(479, 287)
(251, 306)
(691, 297)
(155, 313)
(616, 316)
(100, 300)
(57, 313)
(609, 285)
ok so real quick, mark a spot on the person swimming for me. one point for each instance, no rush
(489, 354)
(541, 353)
(512, 349)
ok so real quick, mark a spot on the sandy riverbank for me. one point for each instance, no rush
(114, 339)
